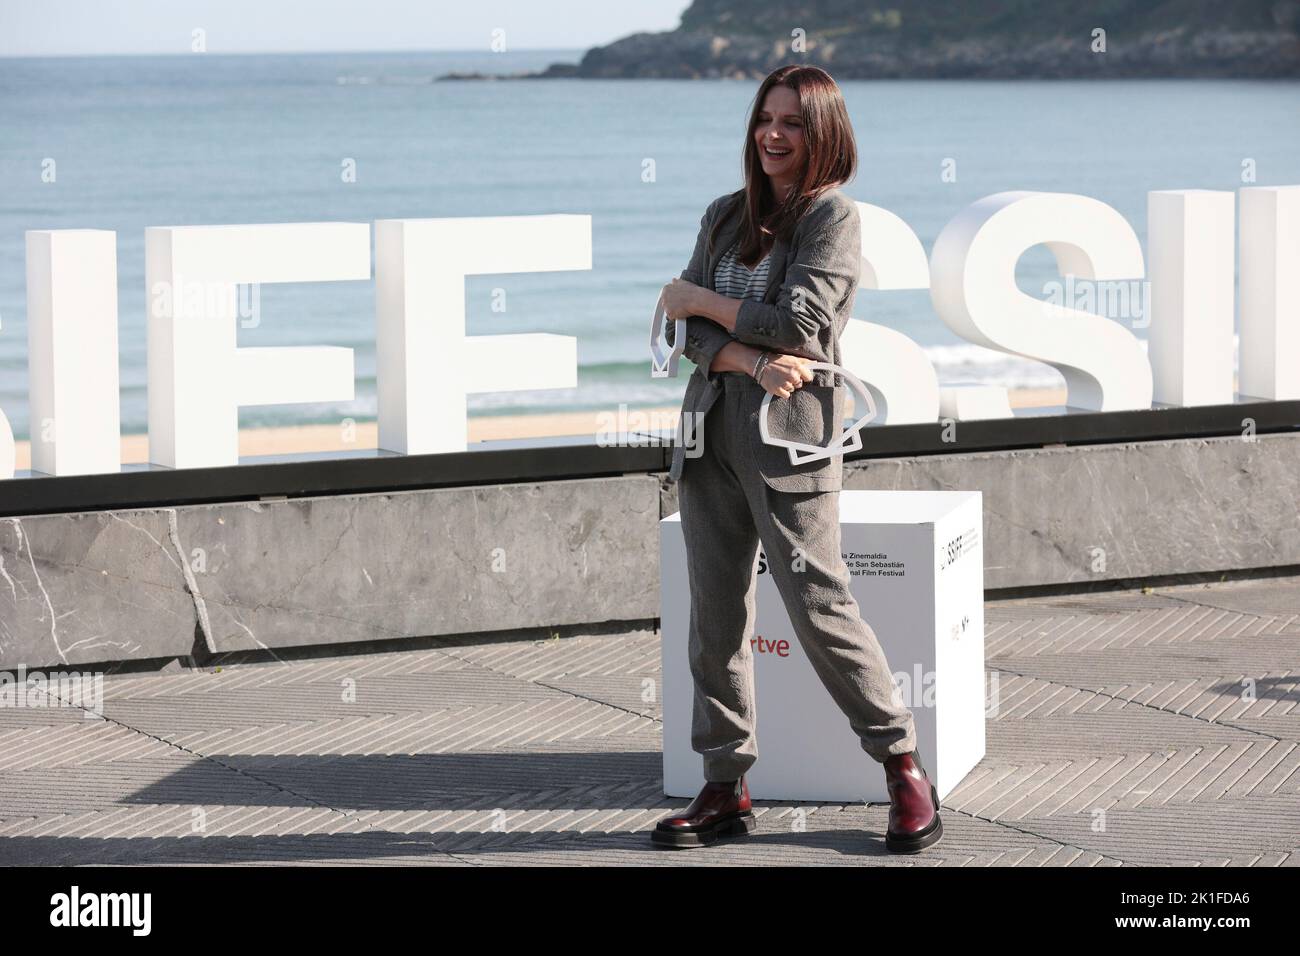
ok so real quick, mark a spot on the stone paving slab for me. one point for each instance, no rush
(1147, 727)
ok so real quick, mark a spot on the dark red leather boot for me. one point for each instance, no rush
(913, 805)
(719, 810)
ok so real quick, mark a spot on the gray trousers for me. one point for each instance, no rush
(727, 510)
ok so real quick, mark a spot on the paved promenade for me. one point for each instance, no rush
(1129, 728)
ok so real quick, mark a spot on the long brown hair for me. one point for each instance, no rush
(832, 160)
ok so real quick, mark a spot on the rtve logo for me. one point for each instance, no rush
(760, 644)
(781, 647)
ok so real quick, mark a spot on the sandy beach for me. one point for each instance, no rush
(292, 439)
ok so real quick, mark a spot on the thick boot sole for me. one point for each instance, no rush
(915, 842)
(742, 825)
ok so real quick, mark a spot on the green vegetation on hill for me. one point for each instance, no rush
(867, 39)
(925, 21)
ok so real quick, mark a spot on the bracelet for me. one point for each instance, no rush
(760, 364)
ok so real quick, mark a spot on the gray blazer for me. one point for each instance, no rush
(811, 285)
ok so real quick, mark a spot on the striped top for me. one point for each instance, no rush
(733, 280)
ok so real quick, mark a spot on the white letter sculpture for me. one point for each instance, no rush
(425, 362)
(73, 399)
(973, 287)
(198, 378)
(8, 453)
(1190, 262)
(896, 370)
(1270, 299)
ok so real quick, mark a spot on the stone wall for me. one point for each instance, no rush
(164, 582)
(100, 586)
(1061, 515)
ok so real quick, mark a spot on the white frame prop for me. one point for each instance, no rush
(850, 439)
(663, 362)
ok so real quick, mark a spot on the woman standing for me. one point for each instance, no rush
(769, 289)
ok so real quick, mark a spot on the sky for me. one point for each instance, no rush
(118, 27)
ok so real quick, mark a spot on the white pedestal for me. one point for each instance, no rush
(917, 572)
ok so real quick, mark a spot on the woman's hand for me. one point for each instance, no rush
(784, 373)
(679, 298)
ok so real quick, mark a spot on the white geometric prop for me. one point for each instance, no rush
(1270, 295)
(426, 364)
(198, 377)
(72, 351)
(663, 360)
(849, 439)
(973, 288)
(1190, 268)
(917, 575)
